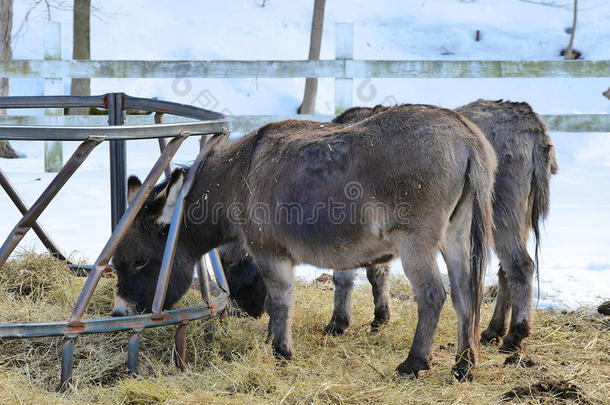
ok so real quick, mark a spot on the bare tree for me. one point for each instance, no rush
(308, 105)
(81, 48)
(569, 53)
(6, 53)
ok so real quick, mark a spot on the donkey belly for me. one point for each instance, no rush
(344, 252)
(340, 235)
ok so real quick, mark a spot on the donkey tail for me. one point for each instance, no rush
(545, 165)
(481, 177)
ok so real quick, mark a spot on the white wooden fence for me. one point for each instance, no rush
(343, 69)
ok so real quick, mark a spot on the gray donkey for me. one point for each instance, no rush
(526, 161)
(402, 183)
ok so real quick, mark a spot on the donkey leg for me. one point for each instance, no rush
(498, 326)
(342, 312)
(456, 252)
(278, 276)
(519, 268)
(379, 278)
(419, 264)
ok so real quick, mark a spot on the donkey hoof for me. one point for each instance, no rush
(510, 344)
(378, 323)
(462, 370)
(282, 354)
(335, 328)
(490, 337)
(512, 341)
(412, 366)
(461, 374)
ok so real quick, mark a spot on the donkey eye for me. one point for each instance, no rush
(140, 264)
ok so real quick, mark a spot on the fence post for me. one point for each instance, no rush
(344, 51)
(53, 86)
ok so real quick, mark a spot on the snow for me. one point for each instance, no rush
(575, 258)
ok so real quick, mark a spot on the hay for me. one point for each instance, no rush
(566, 350)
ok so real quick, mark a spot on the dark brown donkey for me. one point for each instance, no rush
(402, 183)
(526, 161)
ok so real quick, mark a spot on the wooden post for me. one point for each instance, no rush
(344, 50)
(53, 86)
(81, 49)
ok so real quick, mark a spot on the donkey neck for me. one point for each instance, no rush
(218, 189)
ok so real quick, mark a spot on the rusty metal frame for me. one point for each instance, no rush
(32, 214)
(14, 195)
(211, 124)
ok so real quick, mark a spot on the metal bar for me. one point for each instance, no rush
(80, 270)
(46, 240)
(101, 263)
(105, 325)
(30, 217)
(118, 161)
(163, 144)
(174, 230)
(102, 101)
(168, 107)
(204, 281)
(180, 340)
(247, 123)
(133, 349)
(302, 68)
(203, 139)
(53, 101)
(127, 132)
(67, 362)
(219, 273)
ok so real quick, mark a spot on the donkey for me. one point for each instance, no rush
(526, 161)
(402, 183)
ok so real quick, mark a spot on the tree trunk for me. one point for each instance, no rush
(81, 49)
(568, 53)
(6, 151)
(308, 105)
(6, 25)
(6, 53)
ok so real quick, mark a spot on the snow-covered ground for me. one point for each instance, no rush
(575, 257)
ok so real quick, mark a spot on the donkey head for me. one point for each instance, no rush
(138, 258)
(244, 278)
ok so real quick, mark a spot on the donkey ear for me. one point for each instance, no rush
(133, 185)
(171, 196)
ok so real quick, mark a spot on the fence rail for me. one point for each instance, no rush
(247, 123)
(337, 68)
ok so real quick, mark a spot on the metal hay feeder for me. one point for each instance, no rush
(209, 125)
